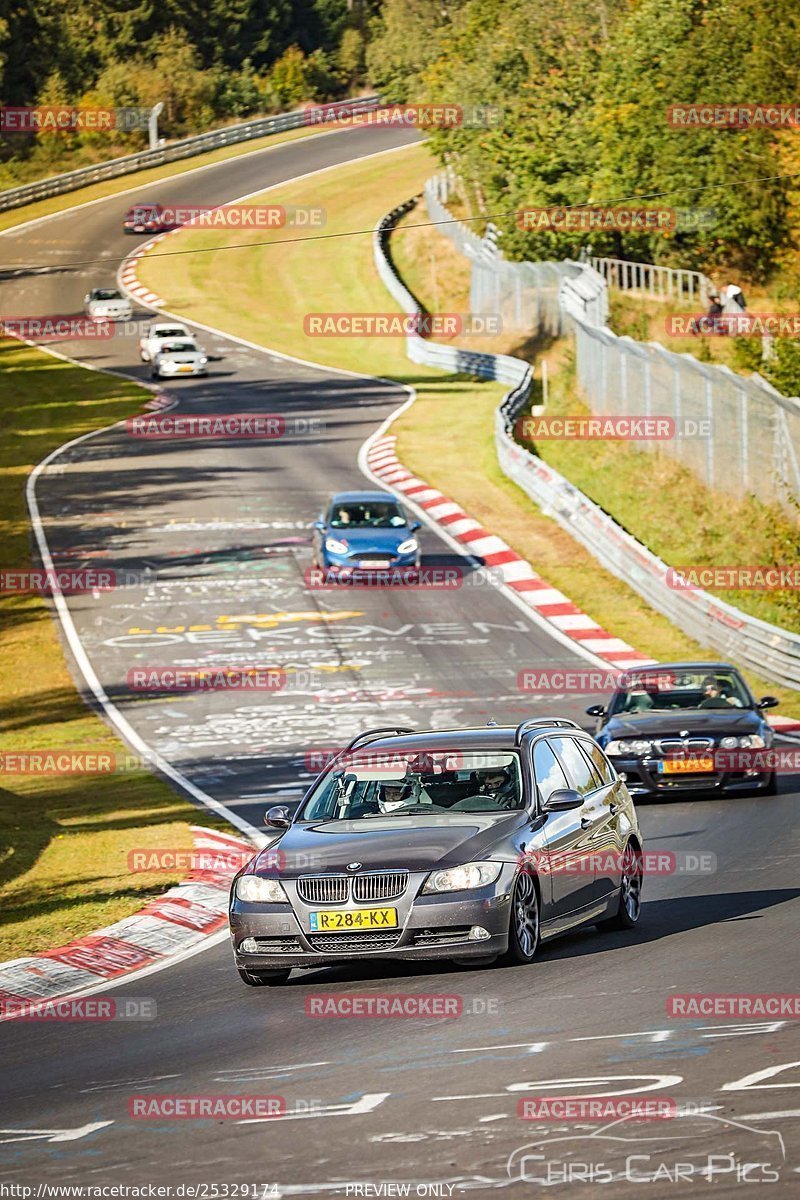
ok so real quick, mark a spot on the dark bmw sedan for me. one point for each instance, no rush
(676, 727)
(471, 845)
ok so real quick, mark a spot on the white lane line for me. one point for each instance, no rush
(367, 1103)
(531, 1047)
(771, 1116)
(53, 1135)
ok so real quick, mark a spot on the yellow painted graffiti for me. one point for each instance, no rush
(260, 620)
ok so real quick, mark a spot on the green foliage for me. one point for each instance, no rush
(206, 61)
(782, 370)
(585, 86)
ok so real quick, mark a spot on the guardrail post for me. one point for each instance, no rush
(152, 124)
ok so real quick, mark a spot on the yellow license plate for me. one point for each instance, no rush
(185, 370)
(364, 918)
(686, 766)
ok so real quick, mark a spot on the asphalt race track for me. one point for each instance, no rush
(214, 539)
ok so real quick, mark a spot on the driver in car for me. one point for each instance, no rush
(713, 696)
(394, 794)
(497, 785)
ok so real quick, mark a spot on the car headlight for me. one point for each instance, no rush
(460, 879)
(618, 747)
(202, 360)
(335, 546)
(256, 889)
(638, 747)
(408, 546)
(749, 741)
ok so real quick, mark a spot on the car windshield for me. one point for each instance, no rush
(386, 783)
(667, 689)
(170, 333)
(106, 294)
(178, 347)
(365, 514)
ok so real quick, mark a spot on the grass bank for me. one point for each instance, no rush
(64, 839)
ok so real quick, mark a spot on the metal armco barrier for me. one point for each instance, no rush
(186, 148)
(502, 367)
(766, 649)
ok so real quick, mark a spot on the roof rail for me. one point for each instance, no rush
(534, 722)
(368, 734)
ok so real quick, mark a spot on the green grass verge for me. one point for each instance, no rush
(263, 292)
(64, 839)
(141, 179)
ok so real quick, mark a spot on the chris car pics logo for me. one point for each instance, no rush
(691, 1148)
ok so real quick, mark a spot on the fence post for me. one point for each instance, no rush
(710, 439)
(646, 380)
(744, 439)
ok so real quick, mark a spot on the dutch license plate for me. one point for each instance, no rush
(685, 766)
(185, 370)
(365, 918)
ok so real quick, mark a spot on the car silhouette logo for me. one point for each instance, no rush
(353, 866)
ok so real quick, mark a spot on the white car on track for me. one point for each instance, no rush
(154, 335)
(179, 356)
(107, 304)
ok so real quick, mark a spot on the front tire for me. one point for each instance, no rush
(523, 922)
(630, 893)
(263, 978)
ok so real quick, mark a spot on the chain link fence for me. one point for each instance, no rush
(736, 434)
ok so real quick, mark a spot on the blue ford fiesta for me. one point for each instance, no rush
(365, 531)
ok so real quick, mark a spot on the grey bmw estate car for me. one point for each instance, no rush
(470, 845)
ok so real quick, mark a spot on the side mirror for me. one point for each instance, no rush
(768, 702)
(415, 525)
(277, 817)
(563, 800)
(319, 525)
(596, 710)
(87, 298)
